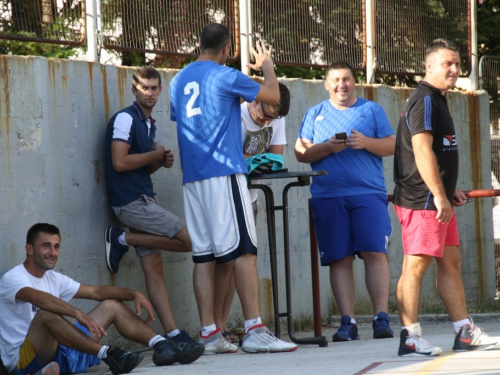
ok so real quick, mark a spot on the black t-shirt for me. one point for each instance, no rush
(425, 110)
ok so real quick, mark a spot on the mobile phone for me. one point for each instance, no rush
(341, 136)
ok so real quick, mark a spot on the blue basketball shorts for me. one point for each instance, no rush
(351, 225)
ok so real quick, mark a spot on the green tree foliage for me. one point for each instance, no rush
(488, 27)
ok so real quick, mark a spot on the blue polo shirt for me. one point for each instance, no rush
(130, 126)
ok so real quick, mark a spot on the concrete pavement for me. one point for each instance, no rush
(366, 356)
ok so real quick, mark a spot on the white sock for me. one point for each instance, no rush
(206, 331)
(174, 333)
(353, 321)
(121, 239)
(103, 352)
(413, 329)
(252, 322)
(458, 325)
(154, 340)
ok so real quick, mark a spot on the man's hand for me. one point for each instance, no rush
(336, 145)
(168, 159)
(445, 212)
(159, 150)
(356, 140)
(459, 198)
(261, 55)
(140, 301)
(94, 328)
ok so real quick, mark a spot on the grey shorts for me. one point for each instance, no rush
(145, 215)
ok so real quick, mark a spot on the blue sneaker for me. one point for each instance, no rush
(347, 330)
(183, 337)
(114, 250)
(381, 329)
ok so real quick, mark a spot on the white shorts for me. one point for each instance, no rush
(219, 218)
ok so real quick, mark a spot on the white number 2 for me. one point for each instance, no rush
(195, 89)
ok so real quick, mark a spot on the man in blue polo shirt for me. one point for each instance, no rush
(132, 155)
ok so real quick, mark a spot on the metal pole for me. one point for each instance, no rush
(90, 20)
(370, 41)
(245, 34)
(473, 47)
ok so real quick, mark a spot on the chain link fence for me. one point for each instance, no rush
(489, 72)
(167, 27)
(404, 29)
(48, 21)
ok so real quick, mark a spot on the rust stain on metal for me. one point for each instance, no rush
(105, 92)
(97, 172)
(64, 77)
(475, 154)
(122, 84)
(91, 81)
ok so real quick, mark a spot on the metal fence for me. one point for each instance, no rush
(168, 27)
(48, 21)
(489, 73)
(404, 28)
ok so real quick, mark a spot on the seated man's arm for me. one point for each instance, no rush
(123, 161)
(276, 149)
(48, 302)
(103, 292)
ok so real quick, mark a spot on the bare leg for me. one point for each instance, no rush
(226, 308)
(247, 284)
(409, 287)
(222, 278)
(179, 243)
(157, 290)
(203, 282)
(377, 280)
(449, 283)
(342, 282)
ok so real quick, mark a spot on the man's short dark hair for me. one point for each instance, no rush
(213, 37)
(338, 66)
(283, 106)
(146, 72)
(438, 44)
(35, 230)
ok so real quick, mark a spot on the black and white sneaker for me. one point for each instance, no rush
(122, 362)
(412, 344)
(471, 337)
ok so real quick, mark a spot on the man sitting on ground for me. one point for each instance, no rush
(34, 330)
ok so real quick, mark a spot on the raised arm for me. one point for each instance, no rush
(269, 92)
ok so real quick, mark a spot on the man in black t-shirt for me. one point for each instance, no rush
(426, 174)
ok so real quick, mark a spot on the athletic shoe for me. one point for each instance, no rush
(182, 337)
(167, 352)
(121, 362)
(347, 330)
(471, 337)
(258, 339)
(114, 249)
(415, 345)
(216, 344)
(381, 329)
(51, 369)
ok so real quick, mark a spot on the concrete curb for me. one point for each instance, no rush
(423, 318)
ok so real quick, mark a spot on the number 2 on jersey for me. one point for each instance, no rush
(194, 88)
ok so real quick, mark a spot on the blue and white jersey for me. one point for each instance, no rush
(350, 172)
(205, 103)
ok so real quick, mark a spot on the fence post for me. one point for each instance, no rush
(370, 41)
(473, 46)
(245, 10)
(91, 28)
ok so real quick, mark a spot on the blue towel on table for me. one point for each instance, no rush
(264, 163)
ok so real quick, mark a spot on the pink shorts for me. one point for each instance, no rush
(423, 234)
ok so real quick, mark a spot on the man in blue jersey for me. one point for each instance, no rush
(132, 155)
(205, 103)
(348, 136)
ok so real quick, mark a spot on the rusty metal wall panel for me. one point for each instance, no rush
(169, 27)
(404, 28)
(311, 32)
(47, 21)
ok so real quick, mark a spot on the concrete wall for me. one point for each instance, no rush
(53, 116)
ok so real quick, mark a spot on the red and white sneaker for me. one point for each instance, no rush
(412, 344)
(471, 337)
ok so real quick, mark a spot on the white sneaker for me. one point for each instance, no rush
(412, 344)
(215, 343)
(259, 340)
(471, 337)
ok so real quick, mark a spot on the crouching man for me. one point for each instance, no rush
(34, 330)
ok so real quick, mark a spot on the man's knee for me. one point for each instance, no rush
(183, 236)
